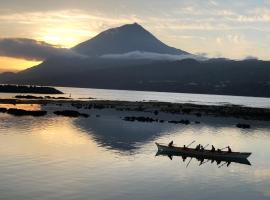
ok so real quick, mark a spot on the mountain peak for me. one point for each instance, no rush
(124, 39)
(135, 25)
(126, 28)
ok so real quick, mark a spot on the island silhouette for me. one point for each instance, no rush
(131, 58)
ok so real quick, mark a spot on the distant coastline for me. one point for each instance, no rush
(28, 89)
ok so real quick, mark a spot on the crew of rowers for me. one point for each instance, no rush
(199, 147)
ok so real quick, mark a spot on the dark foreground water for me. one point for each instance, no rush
(59, 158)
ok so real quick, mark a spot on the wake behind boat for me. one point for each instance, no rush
(238, 157)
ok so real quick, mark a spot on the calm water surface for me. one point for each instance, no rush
(59, 158)
(126, 95)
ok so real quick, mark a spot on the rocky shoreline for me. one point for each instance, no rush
(235, 111)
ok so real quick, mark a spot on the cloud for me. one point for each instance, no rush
(190, 25)
(30, 49)
(137, 55)
(251, 58)
(202, 54)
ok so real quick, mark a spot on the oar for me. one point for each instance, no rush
(224, 148)
(191, 143)
(222, 165)
(204, 162)
(188, 162)
(170, 156)
(205, 146)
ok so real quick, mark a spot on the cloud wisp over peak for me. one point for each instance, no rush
(138, 55)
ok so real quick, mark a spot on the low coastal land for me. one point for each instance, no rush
(29, 89)
(155, 108)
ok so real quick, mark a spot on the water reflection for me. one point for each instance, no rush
(22, 106)
(114, 133)
(219, 162)
(61, 158)
(110, 131)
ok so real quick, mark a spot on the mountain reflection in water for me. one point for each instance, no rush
(120, 135)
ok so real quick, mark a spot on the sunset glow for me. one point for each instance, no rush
(14, 64)
(210, 27)
(64, 36)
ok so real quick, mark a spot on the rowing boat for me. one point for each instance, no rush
(207, 154)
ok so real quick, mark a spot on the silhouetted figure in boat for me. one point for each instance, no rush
(202, 148)
(198, 147)
(170, 144)
(184, 147)
(219, 150)
(229, 149)
(213, 149)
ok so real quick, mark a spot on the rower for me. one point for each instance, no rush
(229, 149)
(219, 150)
(213, 149)
(170, 144)
(198, 147)
(184, 147)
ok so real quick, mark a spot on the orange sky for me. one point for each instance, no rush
(14, 64)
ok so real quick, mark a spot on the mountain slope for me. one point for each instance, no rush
(240, 78)
(124, 39)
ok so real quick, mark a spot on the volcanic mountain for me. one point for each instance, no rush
(129, 57)
(124, 39)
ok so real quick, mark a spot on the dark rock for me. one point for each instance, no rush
(57, 98)
(27, 97)
(84, 115)
(21, 112)
(186, 122)
(140, 119)
(77, 105)
(243, 126)
(198, 114)
(39, 97)
(70, 113)
(3, 110)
